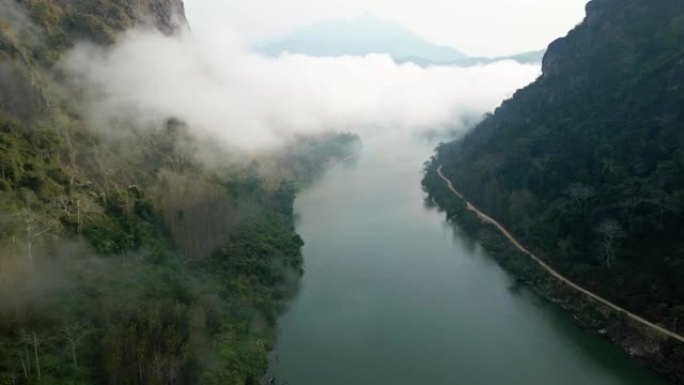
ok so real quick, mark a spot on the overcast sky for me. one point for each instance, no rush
(476, 27)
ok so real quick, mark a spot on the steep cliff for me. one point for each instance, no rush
(127, 259)
(102, 20)
(586, 166)
(35, 33)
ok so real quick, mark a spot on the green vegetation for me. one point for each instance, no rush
(585, 165)
(175, 280)
(128, 260)
(99, 21)
(139, 283)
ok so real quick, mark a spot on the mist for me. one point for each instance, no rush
(240, 99)
(19, 22)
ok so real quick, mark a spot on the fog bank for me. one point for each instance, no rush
(228, 94)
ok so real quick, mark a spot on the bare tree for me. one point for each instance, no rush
(13, 376)
(77, 205)
(36, 227)
(23, 365)
(27, 365)
(105, 170)
(78, 216)
(63, 204)
(74, 333)
(34, 340)
(610, 233)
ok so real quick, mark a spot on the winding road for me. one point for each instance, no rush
(489, 220)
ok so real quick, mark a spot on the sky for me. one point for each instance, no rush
(476, 27)
(244, 100)
(230, 95)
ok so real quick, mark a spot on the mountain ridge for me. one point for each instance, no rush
(127, 258)
(585, 165)
(369, 34)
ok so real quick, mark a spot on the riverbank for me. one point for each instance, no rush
(392, 295)
(654, 348)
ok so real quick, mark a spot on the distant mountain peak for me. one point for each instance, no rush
(362, 35)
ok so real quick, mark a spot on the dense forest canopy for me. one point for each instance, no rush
(586, 165)
(130, 259)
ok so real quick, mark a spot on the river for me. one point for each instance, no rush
(394, 295)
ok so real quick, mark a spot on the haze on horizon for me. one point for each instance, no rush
(230, 94)
(475, 27)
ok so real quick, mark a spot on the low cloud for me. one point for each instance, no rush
(15, 18)
(228, 94)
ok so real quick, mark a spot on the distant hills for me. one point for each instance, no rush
(532, 57)
(369, 34)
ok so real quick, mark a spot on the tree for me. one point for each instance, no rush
(24, 367)
(36, 227)
(580, 196)
(63, 204)
(34, 340)
(610, 233)
(74, 333)
(76, 206)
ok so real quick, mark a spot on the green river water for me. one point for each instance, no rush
(393, 295)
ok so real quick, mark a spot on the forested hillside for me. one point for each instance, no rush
(586, 165)
(129, 259)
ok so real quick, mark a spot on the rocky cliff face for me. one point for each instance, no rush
(167, 15)
(63, 22)
(616, 37)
